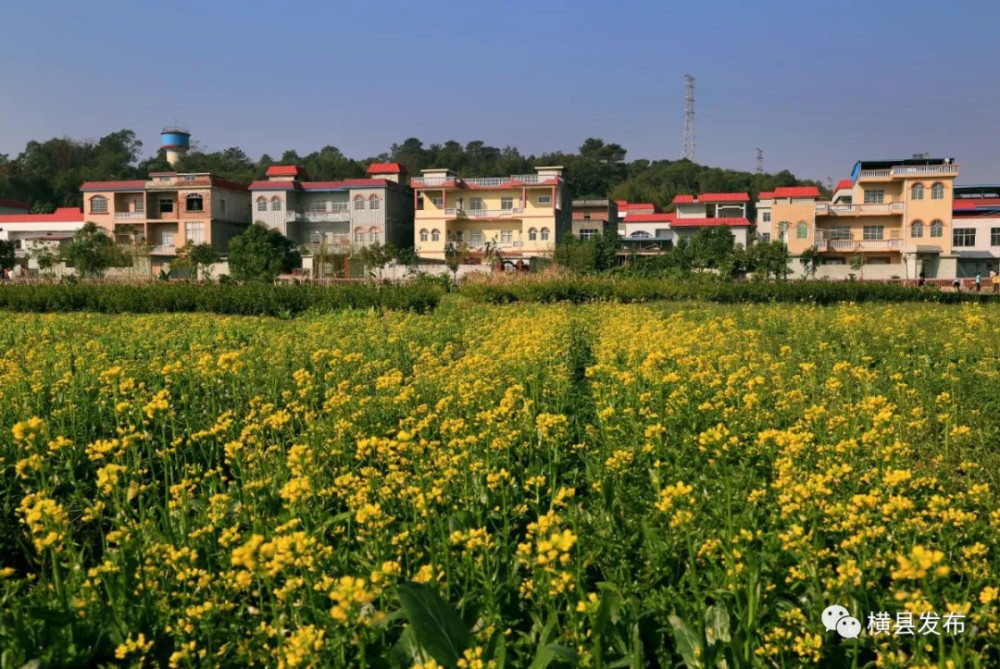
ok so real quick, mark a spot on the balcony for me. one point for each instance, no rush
(130, 215)
(860, 209)
(485, 182)
(163, 249)
(909, 171)
(852, 245)
(484, 213)
(340, 244)
(480, 246)
(318, 215)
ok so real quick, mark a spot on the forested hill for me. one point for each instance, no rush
(48, 174)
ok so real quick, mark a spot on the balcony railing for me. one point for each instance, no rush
(319, 216)
(131, 215)
(486, 182)
(340, 244)
(484, 213)
(848, 245)
(163, 248)
(847, 209)
(908, 170)
(496, 245)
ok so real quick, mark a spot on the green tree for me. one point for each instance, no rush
(261, 254)
(7, 254)
(606, 244)
(810, 260)
(376, 256)
(768, 259)
(92, 252)
(710, 247)
(45, 256)
(857, 263)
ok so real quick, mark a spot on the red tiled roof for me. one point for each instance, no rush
(16, 204)
(796, 191)
(219, 182)
(283, 171)
(61, 215)
(318, 185)
(963, 204)
(766, 195)
(626, 206)
(385, 168)
(733, 222)
(844, 183)
(272, 185)
(684, 199)
(973, 202)
(723, 197)
(649, 218)
(134, 184)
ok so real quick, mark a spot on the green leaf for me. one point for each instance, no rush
(438, 628)
(547, 654)
(607, 609)
(688, 644)
(717, 624)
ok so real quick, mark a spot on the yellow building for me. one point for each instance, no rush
(522, 215)
(894, 215)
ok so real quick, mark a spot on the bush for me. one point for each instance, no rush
(222, 298)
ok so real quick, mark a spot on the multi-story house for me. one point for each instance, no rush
(711, 210)
(975, 236)
(590, 217)
(168, 210)
(338, 216)
(14, 207)
(30, 232)
(896, 218)
(522, 215)
(647, 231)
(762, 224)
(625, 208)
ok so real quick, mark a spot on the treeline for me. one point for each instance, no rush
(48, 174)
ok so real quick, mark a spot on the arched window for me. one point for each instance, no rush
(639, 234)
(373, 202)
(545, 234)
(359, 202)
(98, 204)
(532, 234)
(435, 235)
(937, 229)
(917, 192)
(937, 191)
(917, 229)
(275, 203)
(783, 229)
(423, 235)
(801, 230)
(359, 235)
(372, 235)
(194, 202)
(261, 204)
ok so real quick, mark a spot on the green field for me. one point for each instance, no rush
(598, 485)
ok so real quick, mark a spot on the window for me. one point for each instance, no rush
(874, 195)
(166, 205)
(359, 202)
(276, 203)
(937, 191)
(917, 192)
(964, 237)
(765, 217)
(435, 236)
(476, 203)
(359, 236)
(638, 234)
(194, 202)
(194, 232)
(545, 234)
(423, 235)
(140, 206)
(166, 239)
(373, 202)
(783, 229)
(506, 236)
(937, 229)
(765, 237)
(588, 233)
(873, 232)
(994, 236)
(544, 199)
(344, 206)
(222, 205)
(916, 229)
(476, 237)
(372, 235)
(532, 234)
(801, 230)
(261, 204)
(662, 233)
(506, 203)
(98, 204)
(437, 202)
(839, 234)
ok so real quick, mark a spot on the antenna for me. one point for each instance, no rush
(689, 152)
(760, 160)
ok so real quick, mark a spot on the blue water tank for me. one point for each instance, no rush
(175, 138)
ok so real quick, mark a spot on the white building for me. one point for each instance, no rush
(30, 232)
(976, 230)
(711, 210)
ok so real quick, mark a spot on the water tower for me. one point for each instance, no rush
(174, 141)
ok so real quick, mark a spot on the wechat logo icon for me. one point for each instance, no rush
(838, 618)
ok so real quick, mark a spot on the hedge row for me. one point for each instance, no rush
(245, 299)
(596, 289)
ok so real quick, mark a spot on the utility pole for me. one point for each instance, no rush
(760, 161)
(689, 151)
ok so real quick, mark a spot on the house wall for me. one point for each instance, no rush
(791, 211)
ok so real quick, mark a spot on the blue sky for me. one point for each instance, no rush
(816, 85)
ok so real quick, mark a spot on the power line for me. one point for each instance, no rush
(689, 149)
